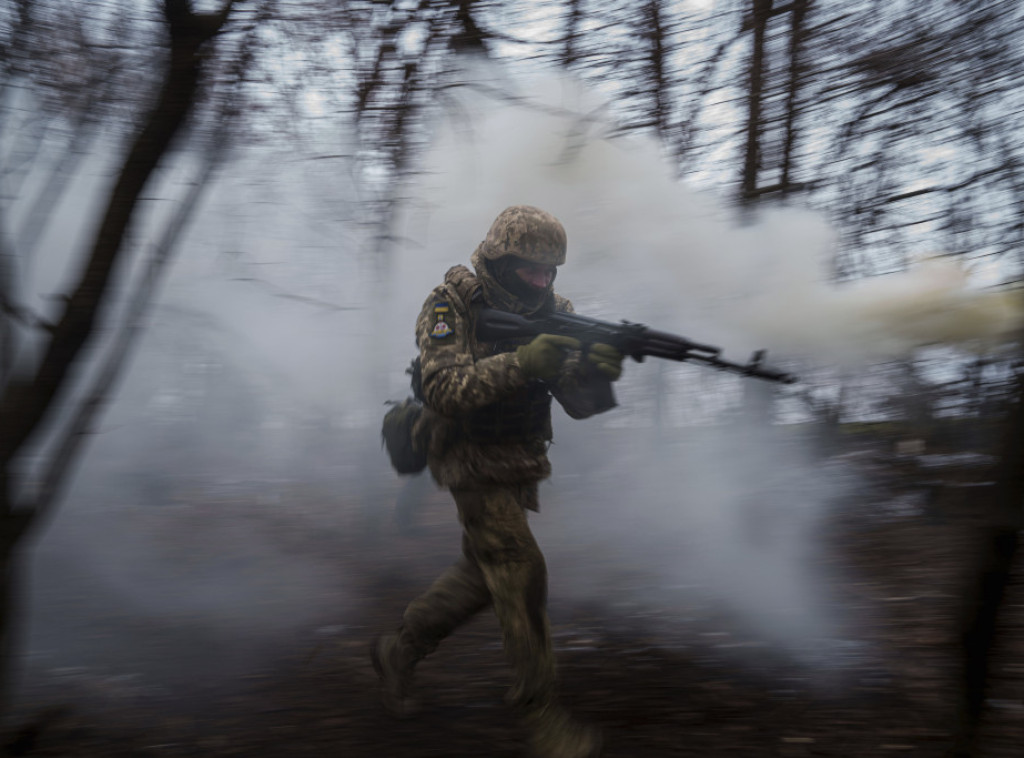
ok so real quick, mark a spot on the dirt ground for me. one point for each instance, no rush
(656, 686)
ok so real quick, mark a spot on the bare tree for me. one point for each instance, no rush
(760, 15)
(29, 398)
(988, 579)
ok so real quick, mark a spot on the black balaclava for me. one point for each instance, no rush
(503, 270)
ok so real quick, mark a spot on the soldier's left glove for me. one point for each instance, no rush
(606, 360)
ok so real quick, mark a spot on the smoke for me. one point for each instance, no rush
(173, 561)
(274, 346)
(651, 510)
(642, 245)
(933, 301)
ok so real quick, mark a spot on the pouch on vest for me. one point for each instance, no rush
(407, 457)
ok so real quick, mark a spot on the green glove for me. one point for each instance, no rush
(543, 357)
(606, 359)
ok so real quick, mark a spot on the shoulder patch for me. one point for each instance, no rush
(441, 328)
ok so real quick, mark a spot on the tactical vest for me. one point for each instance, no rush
(523, 415)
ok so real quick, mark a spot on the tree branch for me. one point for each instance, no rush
(41, 503)
(25, 404)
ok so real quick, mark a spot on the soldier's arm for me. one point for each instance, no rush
(453, 383)
(580, 390)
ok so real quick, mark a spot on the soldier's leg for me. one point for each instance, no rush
(499, 541)
(498, 538)
(454, 597)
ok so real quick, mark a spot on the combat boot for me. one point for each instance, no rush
(556, 734)
(394, 665)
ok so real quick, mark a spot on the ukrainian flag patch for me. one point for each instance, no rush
(441, 328)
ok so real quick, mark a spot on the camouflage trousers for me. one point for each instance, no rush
(501, 567)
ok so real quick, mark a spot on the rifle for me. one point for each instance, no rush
(634, 340)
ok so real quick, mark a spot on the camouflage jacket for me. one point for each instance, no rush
(486, 422)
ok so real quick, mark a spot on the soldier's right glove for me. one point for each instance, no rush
(543, 357)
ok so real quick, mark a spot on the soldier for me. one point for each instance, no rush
(488, 425)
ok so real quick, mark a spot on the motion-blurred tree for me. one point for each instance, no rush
(38, 378)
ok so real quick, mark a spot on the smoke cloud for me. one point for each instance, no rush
(276, 342)
(642, 245)
(726, 516)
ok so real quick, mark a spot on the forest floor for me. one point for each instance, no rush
(294, 679)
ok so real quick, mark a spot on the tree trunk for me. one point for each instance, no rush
(655, 30)
(470, 37)
(760, 14)
(8, 277)
(983, 600)
(797, 34)
(26, 404)
(12, 528)
(570, 53)
(6, 587)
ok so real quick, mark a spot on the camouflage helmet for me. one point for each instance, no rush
(528, 233)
